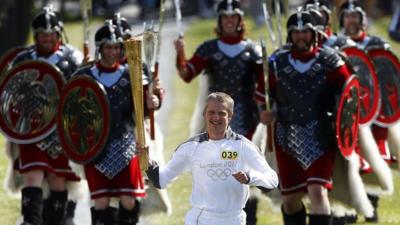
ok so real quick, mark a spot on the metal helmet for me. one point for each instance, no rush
(350, 7)
(320, 21)
(229, 7)
(321, 5)
(301, 20)
(108, 33)
(47, 21)
(122, 25)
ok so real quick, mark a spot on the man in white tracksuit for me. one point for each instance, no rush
(223, 165)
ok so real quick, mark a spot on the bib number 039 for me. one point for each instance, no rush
(230, 155)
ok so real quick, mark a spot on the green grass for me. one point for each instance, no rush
(183, 96)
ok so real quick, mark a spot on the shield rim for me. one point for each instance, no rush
(373, 52)
(24, 139)
(84, 159)
(8, 57)
(346, 152)
(371, 117)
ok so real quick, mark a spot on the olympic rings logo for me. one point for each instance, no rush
(219, 174)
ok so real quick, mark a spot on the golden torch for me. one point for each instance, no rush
(133, 49)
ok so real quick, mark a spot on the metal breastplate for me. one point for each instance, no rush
(304, 101)
(51, 144)
(300, 141)
(118, 155)
(372, 42)
(233, 75)
(120, 147)
(337, 42)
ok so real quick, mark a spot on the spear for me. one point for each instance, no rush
(178, 17)
(133, 48)
(270, 130)
(279, 21)
(86, 8)
(156, 65)
(268, 23)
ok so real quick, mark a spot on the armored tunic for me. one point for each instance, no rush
(67, 59)
(235, 70)
(305, 103)
(47, 154)
(338, 41)
(120, 147)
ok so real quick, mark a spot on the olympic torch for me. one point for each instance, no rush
(133, 48)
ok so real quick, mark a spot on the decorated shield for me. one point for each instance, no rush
(387, 67)
(7, 58)
(369, 88)
(347, 116)
(29, 95)
(83, 120)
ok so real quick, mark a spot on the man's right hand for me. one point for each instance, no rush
(267, 117)
(179, 45)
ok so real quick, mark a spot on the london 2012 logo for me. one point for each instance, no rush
(219, 174)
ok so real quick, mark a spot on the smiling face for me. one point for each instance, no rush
(302, 40)
(229, 25)
(352, 23)
(110, 53)
(217, 118)
(47, 41)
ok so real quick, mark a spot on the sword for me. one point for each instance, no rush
(178, 17)
(279, 21)
(133, 49)
(86, 7)
(270, 129)
(268, 23)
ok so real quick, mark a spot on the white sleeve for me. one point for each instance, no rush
(179, 163)
(260, 173)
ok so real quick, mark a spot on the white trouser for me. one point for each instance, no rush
(203, 217)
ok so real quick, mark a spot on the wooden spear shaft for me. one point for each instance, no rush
(133, 48)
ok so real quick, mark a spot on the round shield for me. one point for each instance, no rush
(387, 67)
(347, 116)
(7, 58)
(29, 95)
(83, 120)
(369, 92)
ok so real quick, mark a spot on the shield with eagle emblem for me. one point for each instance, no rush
(83, 121)
(29, 95)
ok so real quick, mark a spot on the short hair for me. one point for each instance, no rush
(222, 98)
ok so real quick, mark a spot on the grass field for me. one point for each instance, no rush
(178, 130)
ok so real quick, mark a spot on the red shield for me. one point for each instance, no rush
(8, 57)
(83, 121)
(347, 116)
(369, 89)
(387, 67)
(29, 95)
